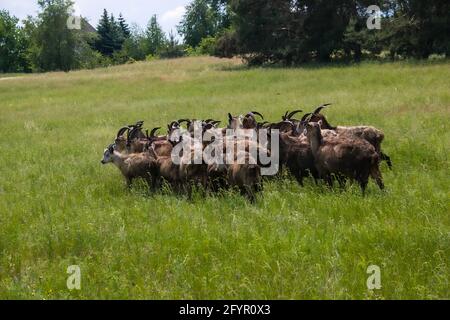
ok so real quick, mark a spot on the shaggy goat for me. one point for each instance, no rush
(296, 155)
(351, 157)
(246, 176)
(166, 170)
(371, 134)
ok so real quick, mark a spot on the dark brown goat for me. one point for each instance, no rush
(351, 157)
(296, 155)
(371, 134)
(246, 176)
(166, 170)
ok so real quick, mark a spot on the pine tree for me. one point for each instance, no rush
(116, 34)
(110, 35)
(124, 27)
(156, 38)
(104, 44)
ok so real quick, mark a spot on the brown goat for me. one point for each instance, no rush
(247, 176)
(296, 155)
(351, 157)
(191, 173)
(136, 165)
(371, 134)
(166, 170)
(243, 122)
(249, 120)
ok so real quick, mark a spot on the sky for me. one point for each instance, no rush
(169, 12)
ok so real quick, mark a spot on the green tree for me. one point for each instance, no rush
(226, 45)
(155, 36)
(417, 28)
(172, 48)
(111, 34)
(53, 44)
(199, 21)
(105, 41)
(221, 11)
(124, 27)
(291, 32)
(136, 46)
(13, 44)
(268, 30)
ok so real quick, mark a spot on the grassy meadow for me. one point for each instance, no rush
(59, 206)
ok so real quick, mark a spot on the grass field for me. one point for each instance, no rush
(59, 206)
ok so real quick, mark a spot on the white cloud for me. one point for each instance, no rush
(173, 15)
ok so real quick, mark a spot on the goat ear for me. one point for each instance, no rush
(320, 123)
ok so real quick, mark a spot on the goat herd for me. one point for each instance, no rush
(306, 147)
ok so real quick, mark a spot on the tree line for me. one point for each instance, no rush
(288, 32)
(297, 31)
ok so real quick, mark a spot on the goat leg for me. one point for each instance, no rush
(385, 157)
(376, 175)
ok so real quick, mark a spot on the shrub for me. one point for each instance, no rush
(436, 57)
(226, 45)
(151, 57)
(207, 46)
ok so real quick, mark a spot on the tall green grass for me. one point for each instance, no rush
(60, 207)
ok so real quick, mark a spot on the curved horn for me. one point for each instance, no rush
(131, 133)
(209, 120)
(259, 114)
(276, 125)
(122, 131)
(208, 126)
(214, 122)
(321, 107)
(261, 124)
(305, 116)
(136, 132)
(152, 133)
(174, 123)
(285, 115)
(290, 115)
(183, 120)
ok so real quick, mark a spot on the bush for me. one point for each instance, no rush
(94, 59)
(207, 46)
(88, 58)
(172, 51)
(191, 52)
(436, 57)
(226, 44)
(151, 57)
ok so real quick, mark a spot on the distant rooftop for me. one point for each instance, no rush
(86, 26)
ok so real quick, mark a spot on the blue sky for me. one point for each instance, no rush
(169, 12)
